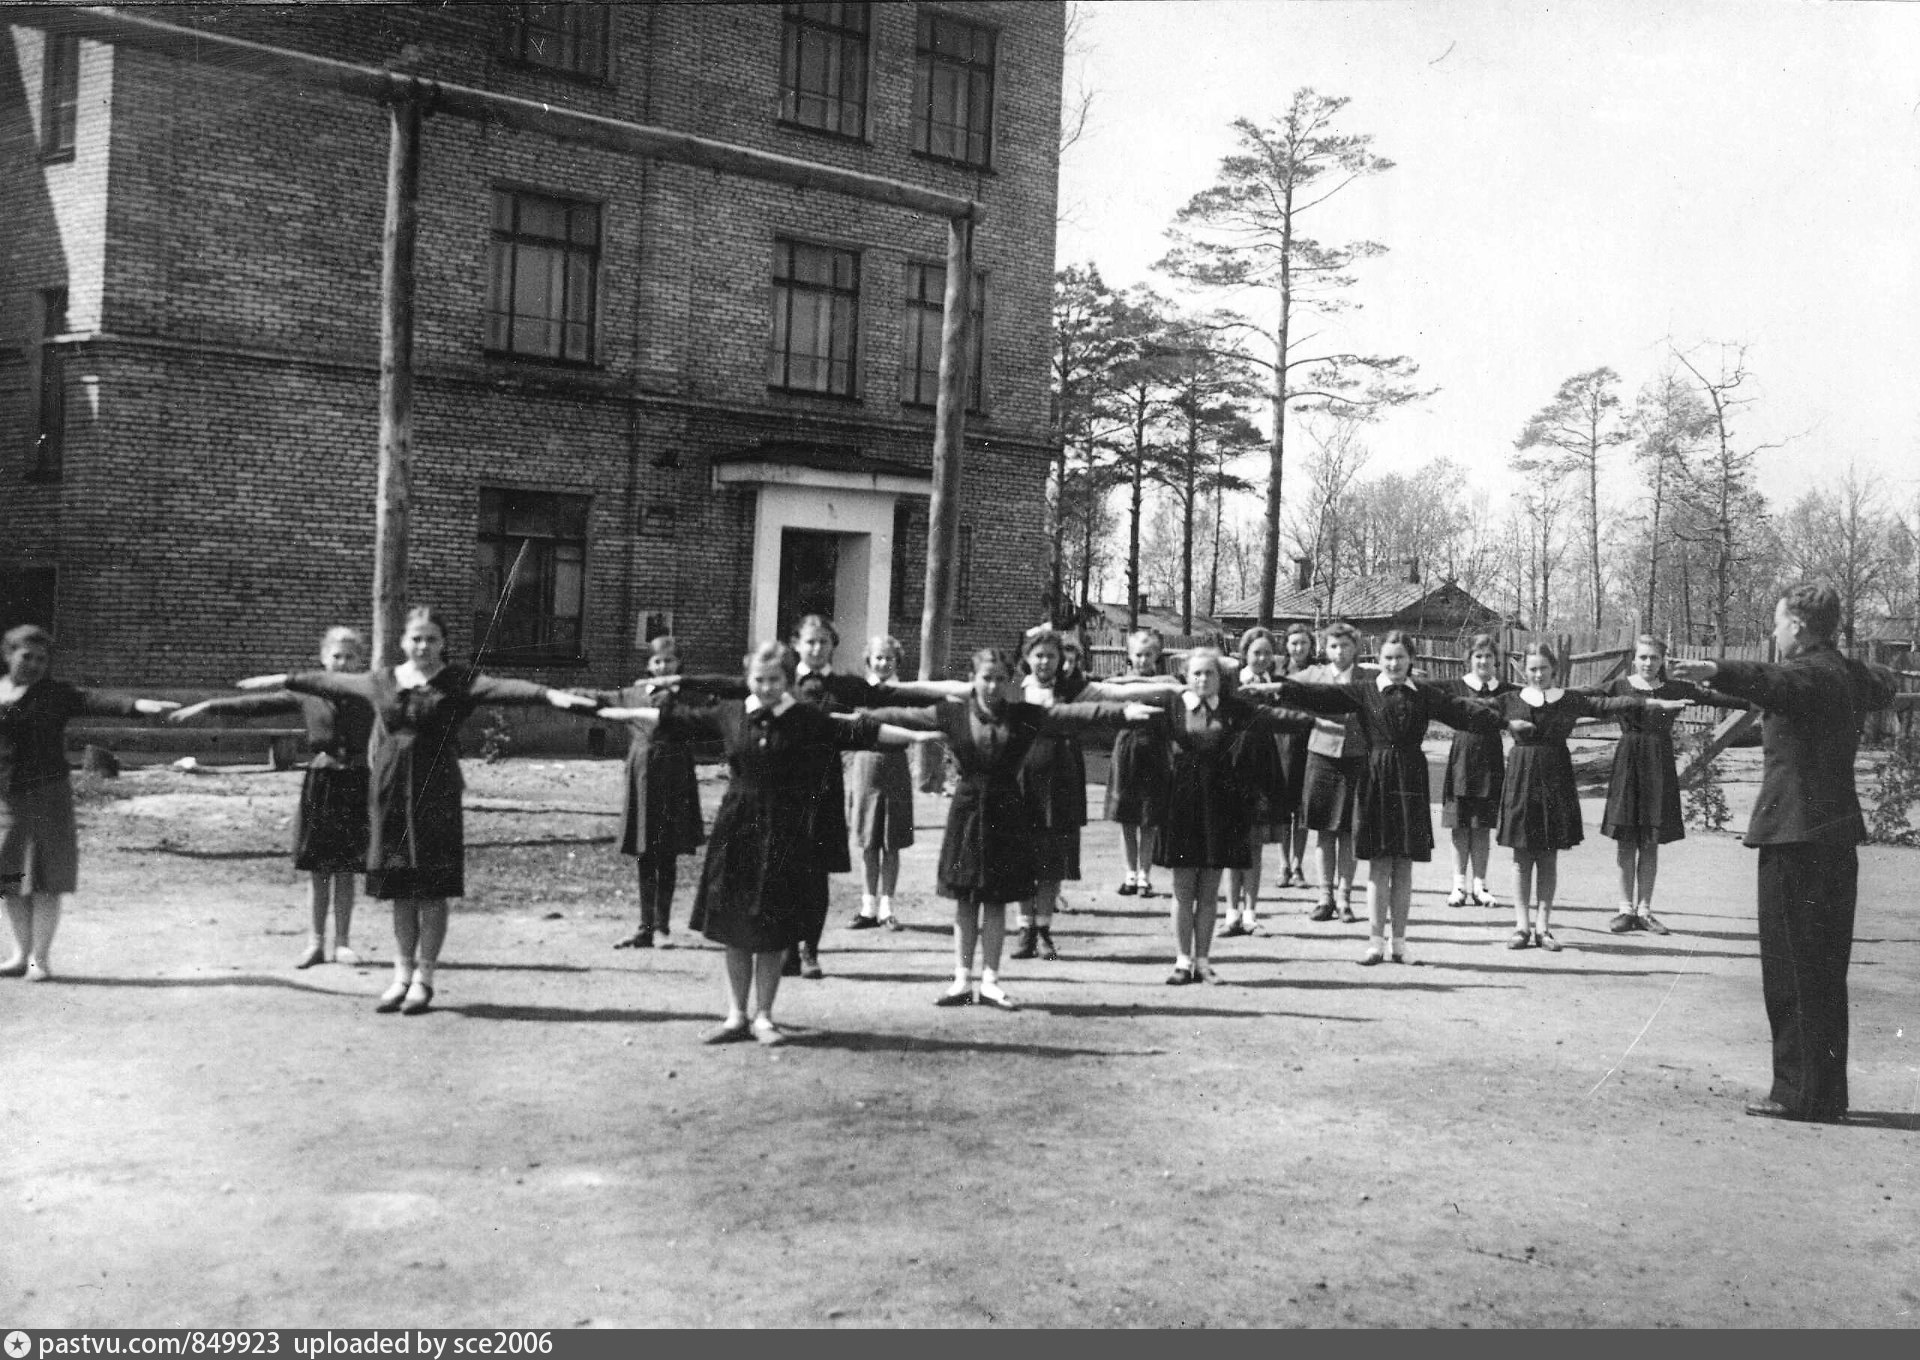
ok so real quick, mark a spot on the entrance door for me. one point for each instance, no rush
(809, 576)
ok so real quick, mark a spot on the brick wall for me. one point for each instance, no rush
(216, 510)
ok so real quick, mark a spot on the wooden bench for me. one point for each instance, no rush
(282, 745)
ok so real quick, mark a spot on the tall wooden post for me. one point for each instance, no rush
(392, 511)
(949, 438)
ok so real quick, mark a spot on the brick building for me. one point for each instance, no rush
(651, 394)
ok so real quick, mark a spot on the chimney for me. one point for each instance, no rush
(1413, 570)
(1302, 573)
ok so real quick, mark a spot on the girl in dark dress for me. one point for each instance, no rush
(766, 864)
(330, 834)
(1137, 776)
(1539, 803)
(416, 855)
(1393, 823)
(879, 806)
(1476, 770)
(1272, 762)
(992, 852)
(1299, 657)
(1643, 794)
(1334, 767)
(37, 830)
(1212, 807)
(660, 810)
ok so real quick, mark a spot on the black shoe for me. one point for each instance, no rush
(1346, 913)
(810, 962)
(864, 923)
(1029, 943)
(1773, 1109)
(1129, 889)
(1047, 951)
(1323, 912)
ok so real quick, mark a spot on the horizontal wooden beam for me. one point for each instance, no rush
(107, 25)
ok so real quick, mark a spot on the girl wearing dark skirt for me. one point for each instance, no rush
(1393, 823)
(1137, 775)
(992, 853)
(416, 852)
(1211, 808)
(1332, 783)
(766, 866)
(1272, 763)
(330, 833)
(879, 806)
(39, 843)
(1476, 771)
(1643, 794)
(1539, 803)
(660, 809)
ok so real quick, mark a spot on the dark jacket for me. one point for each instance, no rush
(33, 731)
(1815, 701)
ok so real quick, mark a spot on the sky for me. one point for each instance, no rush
(1574, 185)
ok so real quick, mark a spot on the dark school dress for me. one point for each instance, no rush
(1393, 819)
(660, 799)
(330, 835)
(991, 851)
(767, 865)
(1274, 765)
(1643, 793)
(36, 788)
(1331, 784)
(1211, 801)
(880, 799)
(1137, 777)
(1476, 765)
(417, 846)
(1539, 804)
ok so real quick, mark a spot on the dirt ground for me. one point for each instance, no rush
(196, 1134)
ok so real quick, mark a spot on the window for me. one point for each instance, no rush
(963, 575)
(26, 596)
(902, 562)
(823, 68)
(953, 90)
(544, 264)
(50, 415)
(920, 361)
(59, 96)
(816, 315)
(530, 577)
(570, 38)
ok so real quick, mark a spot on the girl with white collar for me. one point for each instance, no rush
(1334, 766)
(1393, 825)
(1476, 771)
(1539, 804)
(1137, 775)
(1643, 793)
(1273, 768)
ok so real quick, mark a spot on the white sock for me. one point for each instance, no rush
(886, 906)
(1182, 961)
(989, 976)
(1480, 887)
(1459, 882)
(866, 904)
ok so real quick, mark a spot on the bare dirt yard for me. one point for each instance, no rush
(196, 1134)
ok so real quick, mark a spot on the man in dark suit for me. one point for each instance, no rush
(1806, 824)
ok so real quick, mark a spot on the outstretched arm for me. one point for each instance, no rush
(1307, 694)
(239, 706)
(1467, 715)
(327, 684)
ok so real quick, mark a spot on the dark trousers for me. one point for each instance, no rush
(1807, 896)
(657, 874)
(813, 915)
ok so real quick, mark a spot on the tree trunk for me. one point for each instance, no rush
(1593, 527)
(1133, 521)
(1186, 529)
(1277, 458)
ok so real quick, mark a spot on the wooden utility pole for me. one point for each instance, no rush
(393, 508)
(949, 438)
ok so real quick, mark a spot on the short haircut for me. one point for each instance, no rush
(1042, 637)
(26, 635)
(1398, 637)
(883, 644)
(1147, 635)
(1340, 628)
(771, 652)
(1483, 642)
(1204, 654)
(663, 645)
(341, 633)
(1817, 605)
(1543, 650)
(1253, 635)
(820, 621)
(992, 656)
(426, 613)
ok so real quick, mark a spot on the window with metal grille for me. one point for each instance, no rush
(59, 96)
(920, 357)
(816, 318)
(544, 264)
(953, 90)
(570, 37)
(50, 414)
(530, 578)
(823, 68)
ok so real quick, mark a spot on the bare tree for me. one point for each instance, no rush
(1669, 421)
(1246, 232)
(1087, 344)
(1718, 486)
(1319, 526)
(1137, 395)
(1843, 536)
(1570, 435)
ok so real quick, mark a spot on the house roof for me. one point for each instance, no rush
(821, 457)
(1114, 615)
(1381, 596)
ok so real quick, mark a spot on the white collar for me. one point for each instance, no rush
(1644, 686)
(1383, 684)
(1194, 701)
(1476, 684)
(804, 670)
(1338, 677)
(1037, 693)
(1540, 698)
(785, 702)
